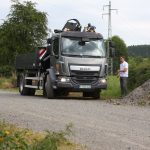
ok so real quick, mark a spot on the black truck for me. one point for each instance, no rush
(73, 60)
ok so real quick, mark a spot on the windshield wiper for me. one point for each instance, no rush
(91, 56)
(72, 55)
(83, 56)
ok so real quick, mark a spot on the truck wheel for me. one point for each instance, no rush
(48, 88)
(22, 89)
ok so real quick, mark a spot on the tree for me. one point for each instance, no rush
(24, 29)
(120, 50)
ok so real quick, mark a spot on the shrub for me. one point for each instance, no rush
(10, 138)
(139, 72)
(52, 140)
(6, 71)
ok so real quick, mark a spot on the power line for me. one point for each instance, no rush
(110, 61)
(109, 18)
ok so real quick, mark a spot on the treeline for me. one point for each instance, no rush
(139, 50)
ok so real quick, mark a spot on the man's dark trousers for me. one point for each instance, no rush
(123, 85)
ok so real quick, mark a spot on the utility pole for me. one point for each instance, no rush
(109, 32)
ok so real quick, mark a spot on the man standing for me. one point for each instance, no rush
(123, 76)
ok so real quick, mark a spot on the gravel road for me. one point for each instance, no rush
(98, 125)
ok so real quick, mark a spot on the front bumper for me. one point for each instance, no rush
(72, 86)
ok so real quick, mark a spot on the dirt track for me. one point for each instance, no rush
(98, 125)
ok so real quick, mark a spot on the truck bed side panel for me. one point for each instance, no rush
(27, 61)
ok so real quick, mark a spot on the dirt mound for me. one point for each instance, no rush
(140, 95)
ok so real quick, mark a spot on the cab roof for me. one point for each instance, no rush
(90, 35)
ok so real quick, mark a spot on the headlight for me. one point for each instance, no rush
(103, 81)
(64, 79)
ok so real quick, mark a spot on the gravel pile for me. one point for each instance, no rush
(140, 95)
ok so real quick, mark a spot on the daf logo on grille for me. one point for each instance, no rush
(84, 69)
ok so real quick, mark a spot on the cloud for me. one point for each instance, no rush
(132, 22)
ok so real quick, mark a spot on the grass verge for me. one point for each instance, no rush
(12, 137)
(7, 83)
(113, 90)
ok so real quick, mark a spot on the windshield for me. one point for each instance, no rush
(76, 47)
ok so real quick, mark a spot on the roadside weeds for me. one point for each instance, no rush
(13, 137)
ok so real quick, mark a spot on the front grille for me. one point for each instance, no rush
(84, 77)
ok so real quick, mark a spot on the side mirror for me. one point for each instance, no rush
(51, 52)
(112, 44)
(49, 47)
(58, 31)
(49, 41)
(112, 52)
(111, 49)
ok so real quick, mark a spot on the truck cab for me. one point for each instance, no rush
(79, 62)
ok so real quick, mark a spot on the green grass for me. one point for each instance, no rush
(7, 83)
(113, 90)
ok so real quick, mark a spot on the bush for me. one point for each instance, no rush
(6, 71)
(139, 72)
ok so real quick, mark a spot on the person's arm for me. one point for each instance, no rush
(125, 68)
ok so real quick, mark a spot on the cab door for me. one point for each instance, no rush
(55, 52)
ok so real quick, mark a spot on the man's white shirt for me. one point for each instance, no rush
(122, 67)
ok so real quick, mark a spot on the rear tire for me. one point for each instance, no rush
(49, 91)
(22, 89)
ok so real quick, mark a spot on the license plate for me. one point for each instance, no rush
(85, 86)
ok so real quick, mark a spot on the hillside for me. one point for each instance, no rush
(139, 50)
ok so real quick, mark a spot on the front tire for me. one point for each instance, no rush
(49, 91)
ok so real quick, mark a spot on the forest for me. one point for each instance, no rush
(139, 50)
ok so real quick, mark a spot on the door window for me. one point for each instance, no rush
(56, 46)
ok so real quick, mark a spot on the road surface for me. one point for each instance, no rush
(98, 125)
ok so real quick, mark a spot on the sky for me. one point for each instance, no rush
(131, 23)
